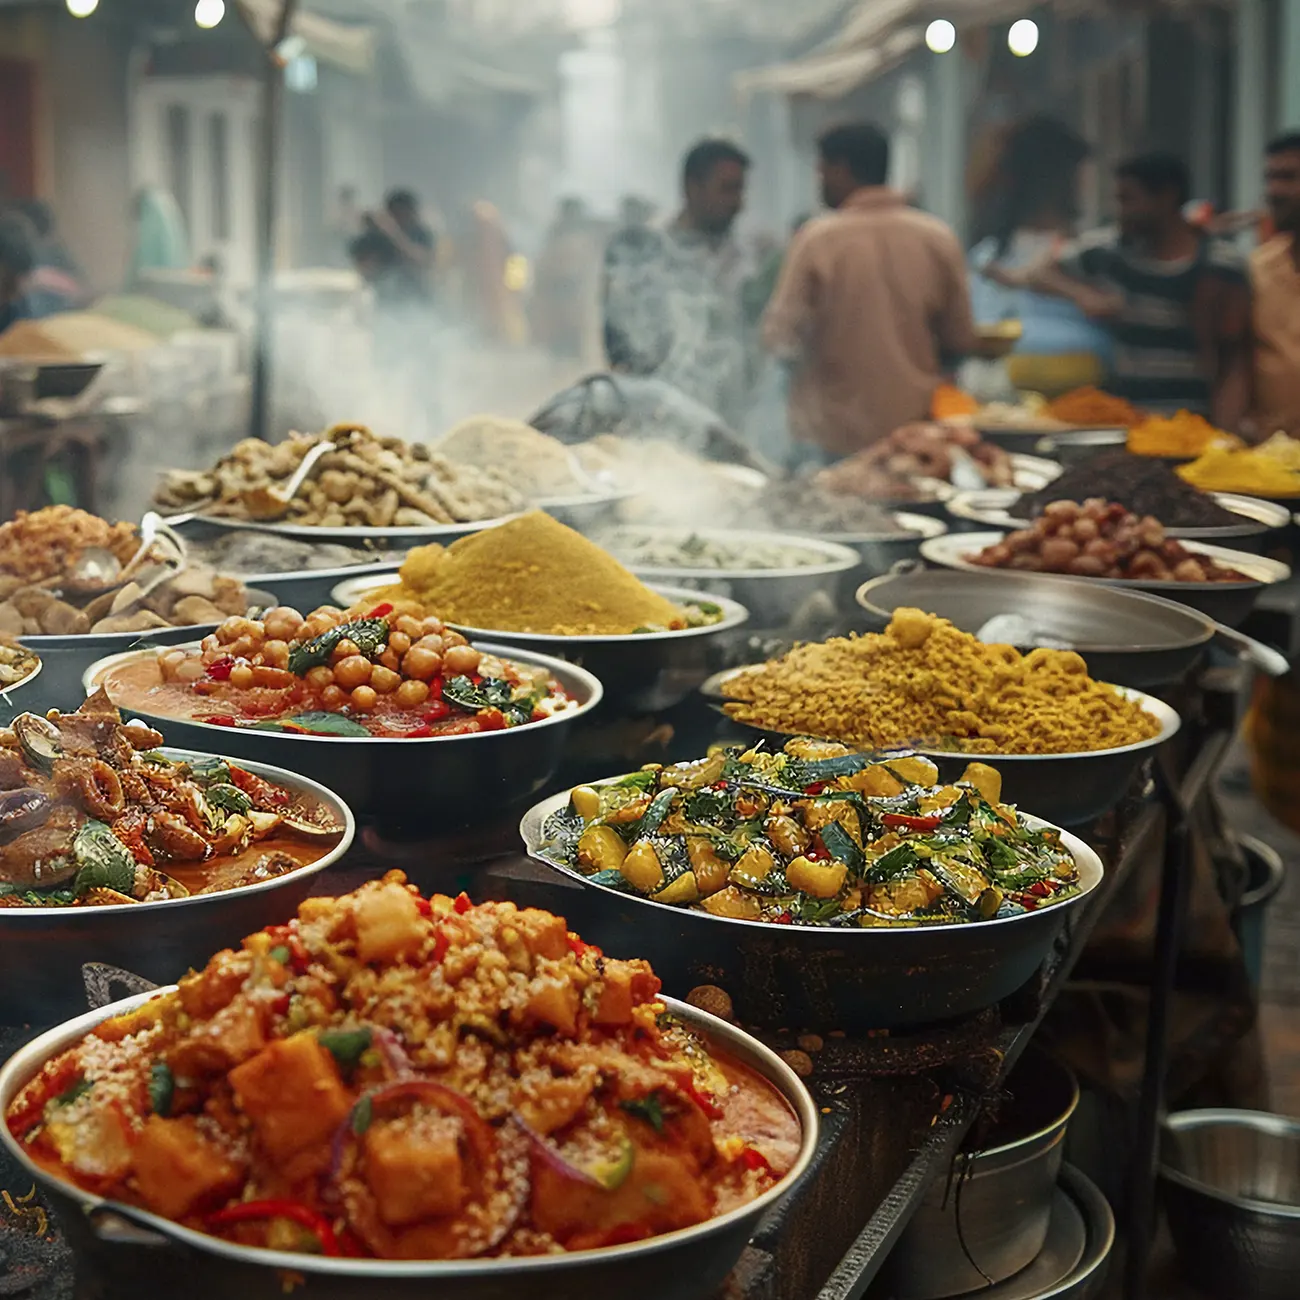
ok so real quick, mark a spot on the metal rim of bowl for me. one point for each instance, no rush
(258, 599)
(733, 615)
(579, 500)
(317, 533)
(1257, 515)
(1259, 1120)
(1206, 634)
(1091, 873)
(320, 575)
(558, 668)
(1097, 1216)
(837, 558)
(27, 1061)
(1242, 561)
(915, 526)
(278, 775)
(972, 1159)
(1170, 724)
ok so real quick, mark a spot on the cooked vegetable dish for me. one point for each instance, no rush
(48, 588)
(1098, 539)
(814, 835)
(672, 549)
(803, 504)
(394, 1077)
(92, 811)
(376, 670)
(364, 482)
(923, 682)
(16, 663)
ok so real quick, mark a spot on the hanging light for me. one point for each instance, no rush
(940, 36)
(208, 13)
(1022, 39)
(82, 8)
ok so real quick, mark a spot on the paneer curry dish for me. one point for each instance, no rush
(394, 1077)
(814, 835)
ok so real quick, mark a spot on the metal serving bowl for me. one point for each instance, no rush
(879, 552)
(405, 783)
(1227, 602)
(397, 538)
(1231, 1181)
(993, 507)
(1128, 637)
(1073, 446)
(1071, 789)
(690, 1264)
(42, 949)
(641, 672)
(66, 658)
(586, 511)
(818, 977)
(778, 600)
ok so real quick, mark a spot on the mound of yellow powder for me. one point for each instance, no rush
(532, 574)
(925, 682)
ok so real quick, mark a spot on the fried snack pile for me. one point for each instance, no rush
(1183, 434)
(405, 1078)
(532, 574)
(1091, 406)
(924, 682)
(534, 463)
(45, 543)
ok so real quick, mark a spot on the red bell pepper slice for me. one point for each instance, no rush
(901, 821)
(303, 1215)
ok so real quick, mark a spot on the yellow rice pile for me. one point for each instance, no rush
(925, 682)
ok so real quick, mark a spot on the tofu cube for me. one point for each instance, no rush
(414, 1169)
(389, 924)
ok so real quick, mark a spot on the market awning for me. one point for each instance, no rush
(342, 45)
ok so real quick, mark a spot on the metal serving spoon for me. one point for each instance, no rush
(266, 504)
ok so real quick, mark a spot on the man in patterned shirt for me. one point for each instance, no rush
(1175, 301)
(673, 300)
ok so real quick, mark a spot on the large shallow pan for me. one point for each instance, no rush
(640, 672)
(1128, 637)
(1070, 789)
(42, 949)
(778, 600)
(815, 977)
(996, 508)
(414, 784)
(690, 1264)
(66, 658)
(1226, 602)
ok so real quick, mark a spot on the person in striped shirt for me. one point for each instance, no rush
(1175, 300)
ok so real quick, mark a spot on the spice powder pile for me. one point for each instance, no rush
(532, 574)
(924, 682)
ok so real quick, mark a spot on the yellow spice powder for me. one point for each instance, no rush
(925, 682)
(532, 574)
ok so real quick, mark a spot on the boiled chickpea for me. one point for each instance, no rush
(169, 663)
(409, 627)
(399, 643)
(364, 698)
(384, 680)
(421, 664)
(432, 626)
(231, 630)
(431, 642)
(209, 645)
(353, 672)
(346, 649)
(275, 654)
(190, 671)
(333, 697)
(461, 659)
(411, 694)
(450, 638)
(391, 660)
(320, 677)
(331, 613)
(282, 622)
(242, 647)
(241, 676)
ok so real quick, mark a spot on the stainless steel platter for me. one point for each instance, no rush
(42, 949)
(1228, 602)
(410, 536)
(690, 1264)
(818, 977)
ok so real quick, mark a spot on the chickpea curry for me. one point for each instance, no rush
(389, 1076)
(814, 835)
(388, 671)
(92, 811)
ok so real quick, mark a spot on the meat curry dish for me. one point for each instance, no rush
(389, 1076)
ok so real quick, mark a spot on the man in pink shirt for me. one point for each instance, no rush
(871, 302)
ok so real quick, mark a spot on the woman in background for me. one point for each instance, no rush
(1031, 206)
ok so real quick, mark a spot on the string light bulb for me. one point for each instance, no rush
(940, 36)
(209, 13)
(1022, 39)
(82, 8)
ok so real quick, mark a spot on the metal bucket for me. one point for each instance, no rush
(1267, 876)
(989, 1219)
